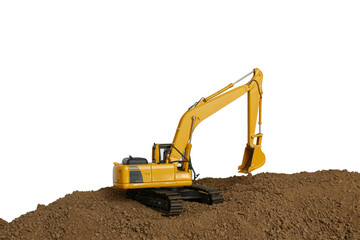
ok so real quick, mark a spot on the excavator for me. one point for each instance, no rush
(168, 180)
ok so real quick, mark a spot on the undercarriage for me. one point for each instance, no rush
(170, 200)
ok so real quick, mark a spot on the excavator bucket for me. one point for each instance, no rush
(253, 159)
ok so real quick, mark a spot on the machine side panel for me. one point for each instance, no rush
(135, 175)
(163, 172)
(150, 176)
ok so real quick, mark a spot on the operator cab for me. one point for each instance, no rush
(160, 153)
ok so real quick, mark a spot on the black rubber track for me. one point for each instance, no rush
(164, 200)
(213, 195)
(169, 200)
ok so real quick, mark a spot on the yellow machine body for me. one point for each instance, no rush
(171, 163)
(150, 175)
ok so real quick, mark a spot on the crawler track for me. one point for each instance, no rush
(164, 200)
(170, 200)
(210, 195)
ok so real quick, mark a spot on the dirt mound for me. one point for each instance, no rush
(3, 223)
(320, 205)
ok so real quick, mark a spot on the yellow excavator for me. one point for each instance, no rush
(165, 182)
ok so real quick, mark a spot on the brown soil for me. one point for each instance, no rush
(320, 205)
(3, 223)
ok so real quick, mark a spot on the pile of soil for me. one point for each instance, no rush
(320, 205)
(3, 223)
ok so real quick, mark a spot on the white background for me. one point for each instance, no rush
(86, 83)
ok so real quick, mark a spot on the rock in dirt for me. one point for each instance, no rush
(320, 205)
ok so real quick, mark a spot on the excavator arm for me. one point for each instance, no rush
(253, 156)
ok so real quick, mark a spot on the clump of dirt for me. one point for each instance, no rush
(320, 205)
